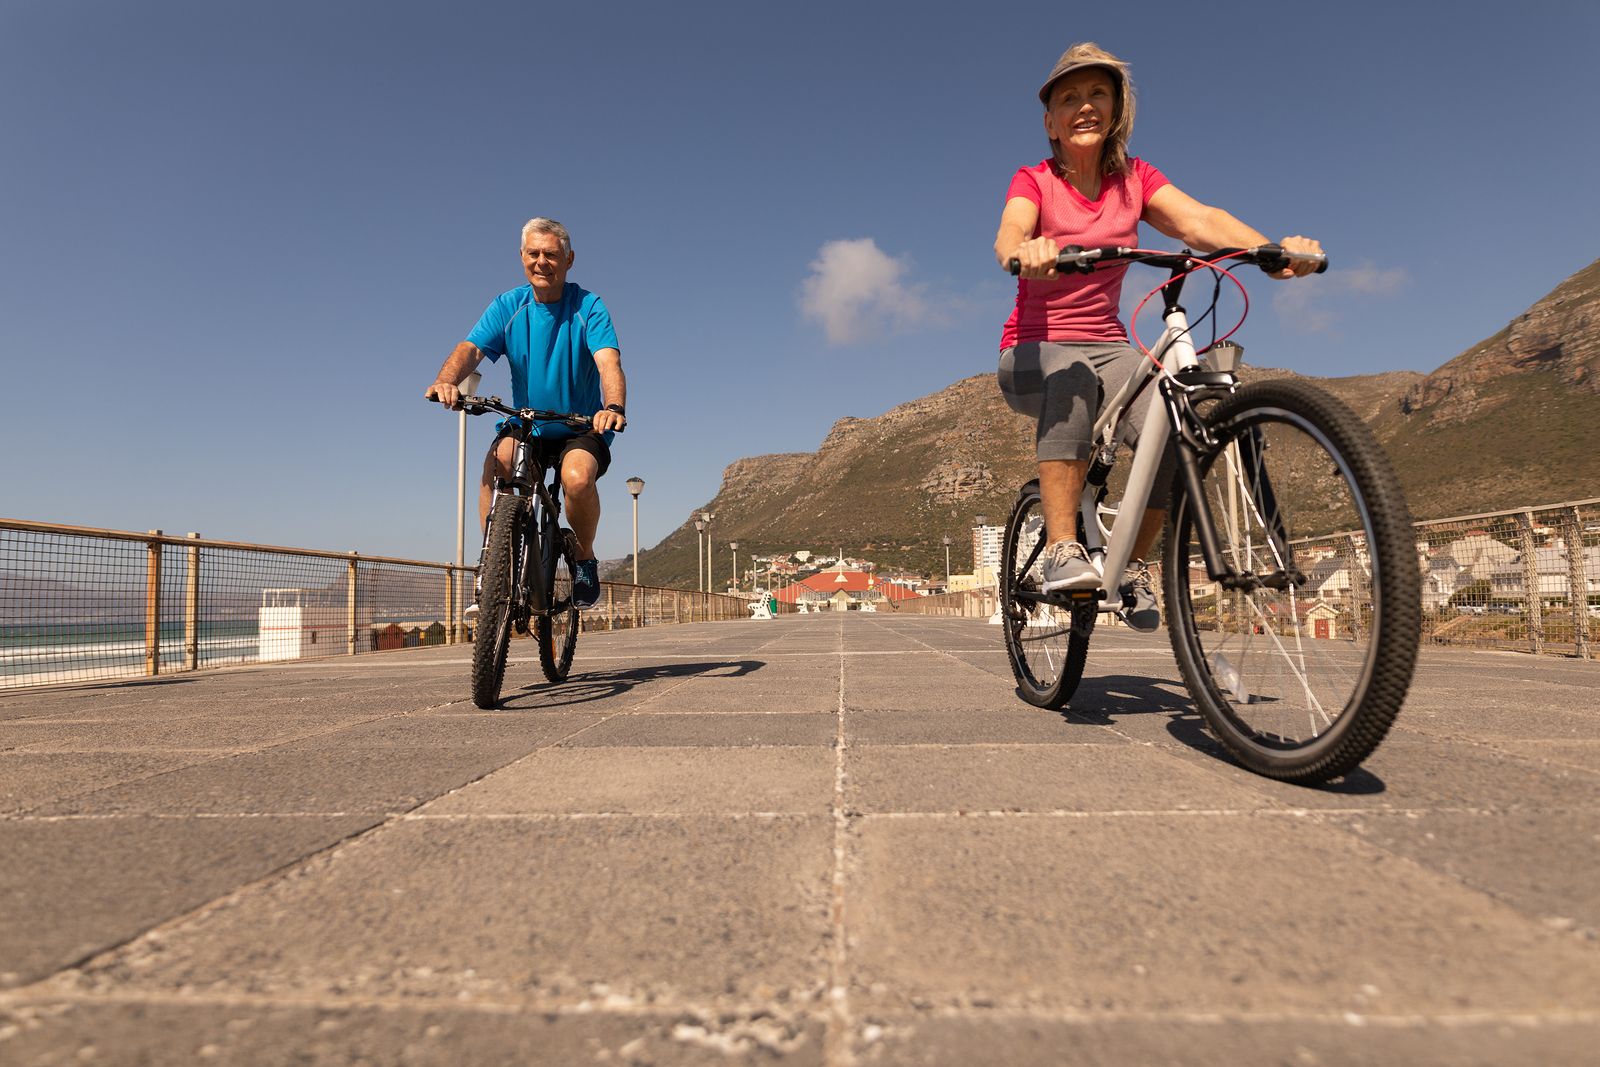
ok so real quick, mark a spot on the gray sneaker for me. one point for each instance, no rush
(1144, 615)
(1067, 566)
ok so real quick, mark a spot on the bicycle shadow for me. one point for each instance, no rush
(1103, 701)
(604, 685)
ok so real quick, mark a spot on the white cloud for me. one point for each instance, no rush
(1314, 304)
(857, 292)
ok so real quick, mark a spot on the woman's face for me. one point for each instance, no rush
(1082, 106)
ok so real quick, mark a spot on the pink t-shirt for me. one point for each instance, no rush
(1079, 307)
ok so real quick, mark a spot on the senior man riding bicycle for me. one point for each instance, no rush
(562, 351)
(1063, 348)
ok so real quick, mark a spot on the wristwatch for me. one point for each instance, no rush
(618, 409)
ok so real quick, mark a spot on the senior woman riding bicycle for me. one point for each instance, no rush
(1063, 348)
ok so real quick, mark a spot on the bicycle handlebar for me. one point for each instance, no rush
(1269, 257)
(477, 405)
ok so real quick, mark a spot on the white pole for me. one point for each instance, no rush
(469, 385)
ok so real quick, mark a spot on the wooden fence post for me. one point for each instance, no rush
(191, 610)
(1530, 582)
(152, 605)
(351, 589)
(1577, 582)
(449, 604)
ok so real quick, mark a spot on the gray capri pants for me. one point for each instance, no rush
(1061, 385)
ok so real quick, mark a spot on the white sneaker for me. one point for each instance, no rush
(1144, 615)
(1067, 566)
(470, 612)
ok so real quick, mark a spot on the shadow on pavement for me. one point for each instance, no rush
(602, 685)
(1102, 701)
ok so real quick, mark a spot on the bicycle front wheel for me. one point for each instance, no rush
(1048, 643)
(558, 627)
(504, 557)
(1301, 670)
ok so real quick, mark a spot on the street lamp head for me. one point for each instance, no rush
(635, 486)
(948, 540)
(707, 516)
(734, 545)
(982, 520)
(699, 527)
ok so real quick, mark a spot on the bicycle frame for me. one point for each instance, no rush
(1181, 381)
(545, 511)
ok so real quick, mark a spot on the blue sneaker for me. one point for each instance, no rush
(586, 584)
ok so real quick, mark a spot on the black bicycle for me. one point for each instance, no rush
(525, 571)
(1280, 489)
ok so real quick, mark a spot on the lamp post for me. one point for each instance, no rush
(948, 541)
(735, 546)
(635, 486)
(706, 516)
(469, 385)
(700, 557)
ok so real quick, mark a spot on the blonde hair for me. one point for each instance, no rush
(1114, 153)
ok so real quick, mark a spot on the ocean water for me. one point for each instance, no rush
(31, 655)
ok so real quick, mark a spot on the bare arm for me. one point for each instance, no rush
(462, 361)
(1016, 241)
(613, 390)
(1205, 228)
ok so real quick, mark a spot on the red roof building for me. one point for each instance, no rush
(857, 587)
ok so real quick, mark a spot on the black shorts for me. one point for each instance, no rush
(550, 452)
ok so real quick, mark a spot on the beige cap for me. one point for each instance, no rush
(1070, 62)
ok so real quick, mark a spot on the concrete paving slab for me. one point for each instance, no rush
(652, 781)
(1199, 913)
(674, 912)
(31, 779)
(977, 725)
(1553, 878)
(1406, 774)
(217, 733)
(154, 1034)
(709, 730)
(73, 887)
(1360, 1041)
(1584, 755)
(331, 780)
(1074, 778)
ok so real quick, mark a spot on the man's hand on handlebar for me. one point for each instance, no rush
(446, 393)
(606, 419)
(1038, 259)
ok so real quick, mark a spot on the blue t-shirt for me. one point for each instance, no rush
(551, 349)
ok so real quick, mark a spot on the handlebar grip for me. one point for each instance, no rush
(1272, 258)
(1015, 266)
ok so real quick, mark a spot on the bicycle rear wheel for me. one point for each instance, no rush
(558, 628)
(1300, 677)
(504, 557)
(1048, 643)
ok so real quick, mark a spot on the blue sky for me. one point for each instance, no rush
(236, 240)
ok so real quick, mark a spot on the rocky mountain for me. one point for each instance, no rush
(1510, 422)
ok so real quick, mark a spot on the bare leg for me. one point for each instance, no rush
(1149, 530)
(1060, 486)
(496, 464)
(578, 471)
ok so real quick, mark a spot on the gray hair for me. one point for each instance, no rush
(550, 226)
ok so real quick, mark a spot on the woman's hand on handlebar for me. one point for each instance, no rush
(1299, 268)
(446, 393)
(1038, 259)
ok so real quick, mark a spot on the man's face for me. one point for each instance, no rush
(543, 261)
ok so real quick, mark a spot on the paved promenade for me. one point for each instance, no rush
(818, 840)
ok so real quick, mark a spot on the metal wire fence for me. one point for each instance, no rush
(82, 605)
(1527, 579)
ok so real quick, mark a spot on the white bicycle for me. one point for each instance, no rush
(1260, 469)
